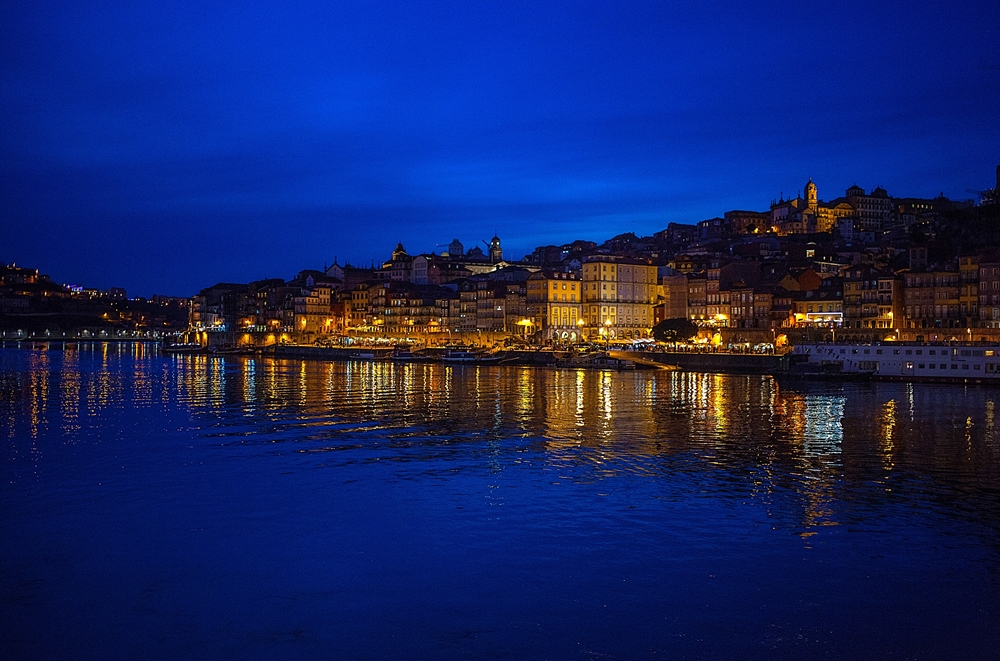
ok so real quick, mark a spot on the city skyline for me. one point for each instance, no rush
(163, 149)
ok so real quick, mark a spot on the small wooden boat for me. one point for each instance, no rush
(471, 358)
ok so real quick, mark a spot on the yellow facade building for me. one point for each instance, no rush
(553, 305)
(618, 297)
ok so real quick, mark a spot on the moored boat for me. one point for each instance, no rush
(408, 356)
(189, 347)
(966, 363)
(466, 357)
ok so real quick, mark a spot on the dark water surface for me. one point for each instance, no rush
(198, 507)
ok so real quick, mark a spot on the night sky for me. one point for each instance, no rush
(163, 147)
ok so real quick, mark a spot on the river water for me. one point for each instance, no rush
(204, 507)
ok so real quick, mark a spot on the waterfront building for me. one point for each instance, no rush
(312, 313)
(749, 307)
(715, 307)
(403, 308)
(358, 310)
(516, 305)
(554, 304)
(823, 307)
(491, 303)
(618, 297)
(675, 294)
(217, 307)
(989, 292)
(782, 314)
(467, 305)
(698, 298)
(872, 300)
(269, 300)
(968, 290)
(932, 299)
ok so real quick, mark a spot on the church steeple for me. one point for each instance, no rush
(496, 252)
(811, 199)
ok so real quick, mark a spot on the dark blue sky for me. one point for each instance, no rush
(165, 146)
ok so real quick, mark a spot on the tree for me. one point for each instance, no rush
(674, 330)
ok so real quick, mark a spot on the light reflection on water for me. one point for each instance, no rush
(650, 475)
(620, 422)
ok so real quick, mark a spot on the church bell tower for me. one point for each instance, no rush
(811, 200)
(496, 252)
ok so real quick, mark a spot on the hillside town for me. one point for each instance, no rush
(32, 305)
(864, 266)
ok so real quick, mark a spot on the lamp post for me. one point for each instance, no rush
(526, 325)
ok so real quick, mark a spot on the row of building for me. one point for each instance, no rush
(609, 297)
(617, 298)
(863, 262)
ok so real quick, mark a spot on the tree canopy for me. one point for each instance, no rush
(674, 330)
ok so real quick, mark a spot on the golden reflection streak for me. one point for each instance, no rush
(581, 423)
(217, 381)
(250, 381)
(607, 400)
(69, 394)
(302, 382)
(887, 444)
(39, 392)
